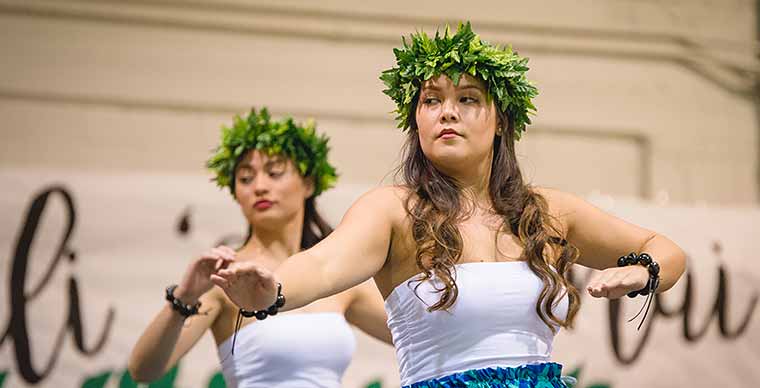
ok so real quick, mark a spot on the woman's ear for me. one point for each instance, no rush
(309, 185)
(233, 188)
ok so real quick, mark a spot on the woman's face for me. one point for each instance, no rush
(456, 124)
(270, 190)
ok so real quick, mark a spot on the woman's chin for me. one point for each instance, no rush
(266, 217)
(449, 159)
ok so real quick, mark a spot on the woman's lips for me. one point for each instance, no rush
(448, 134)
(263, 205)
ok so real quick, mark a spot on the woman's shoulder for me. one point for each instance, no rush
(385, 198)
(558, 201)
(383, 204)
(563, 206)
(390, 192)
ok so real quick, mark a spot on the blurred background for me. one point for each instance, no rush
(109, 109)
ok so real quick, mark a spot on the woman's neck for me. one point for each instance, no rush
(474, 184)
(276, 244)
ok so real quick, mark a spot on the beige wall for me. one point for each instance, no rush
(649, 99)
(638, 98)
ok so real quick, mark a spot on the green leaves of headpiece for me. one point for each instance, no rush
(300, 143)
(501, 69)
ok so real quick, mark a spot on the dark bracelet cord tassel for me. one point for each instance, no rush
(259, 314)
(652, 284)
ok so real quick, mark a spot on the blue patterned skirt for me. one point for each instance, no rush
(544, 375)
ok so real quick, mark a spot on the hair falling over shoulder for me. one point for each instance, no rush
(435, 210)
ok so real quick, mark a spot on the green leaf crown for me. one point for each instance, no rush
(502, 70)
(298, 142)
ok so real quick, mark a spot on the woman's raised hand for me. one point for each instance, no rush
(249, 285)
(614, 283)
(197, 278)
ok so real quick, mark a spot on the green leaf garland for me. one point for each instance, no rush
(299, 142)
(501, 69)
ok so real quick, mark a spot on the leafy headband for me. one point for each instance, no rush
(501, 69)
(300, 143)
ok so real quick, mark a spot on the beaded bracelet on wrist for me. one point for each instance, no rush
(259, 314)
(271, 310)
(652, 284)
(652, 266)
(183, 309)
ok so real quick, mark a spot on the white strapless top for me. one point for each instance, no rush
(492, 323)
(305, 350)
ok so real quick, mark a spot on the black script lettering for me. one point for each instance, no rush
(17, 326)
(719, 310)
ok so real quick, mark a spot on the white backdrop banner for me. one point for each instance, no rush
(85, 258)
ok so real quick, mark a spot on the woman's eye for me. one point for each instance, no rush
(430, 100)
(468, 100)
(275, 174)
(245, 179)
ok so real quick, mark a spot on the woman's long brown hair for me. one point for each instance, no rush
(436, 210)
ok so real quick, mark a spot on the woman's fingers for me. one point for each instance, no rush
(231, 252)
(221, 263)
(210, 263)
(223, 253)
(226, 272)
(242, 282)
(594, 286)
(220, 281)
(233, 276)
(614, 283)
(219, 253)
(602, 283)
(264, 274)
(210, 255)
(597, 292)
(239, 271)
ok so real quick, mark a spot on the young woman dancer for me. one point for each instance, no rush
(472, 261)
(274, 170)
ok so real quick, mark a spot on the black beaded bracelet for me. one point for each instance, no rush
(652, 267)
(654, 280)
(271, 310)
(259, 314)
(183, 309)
